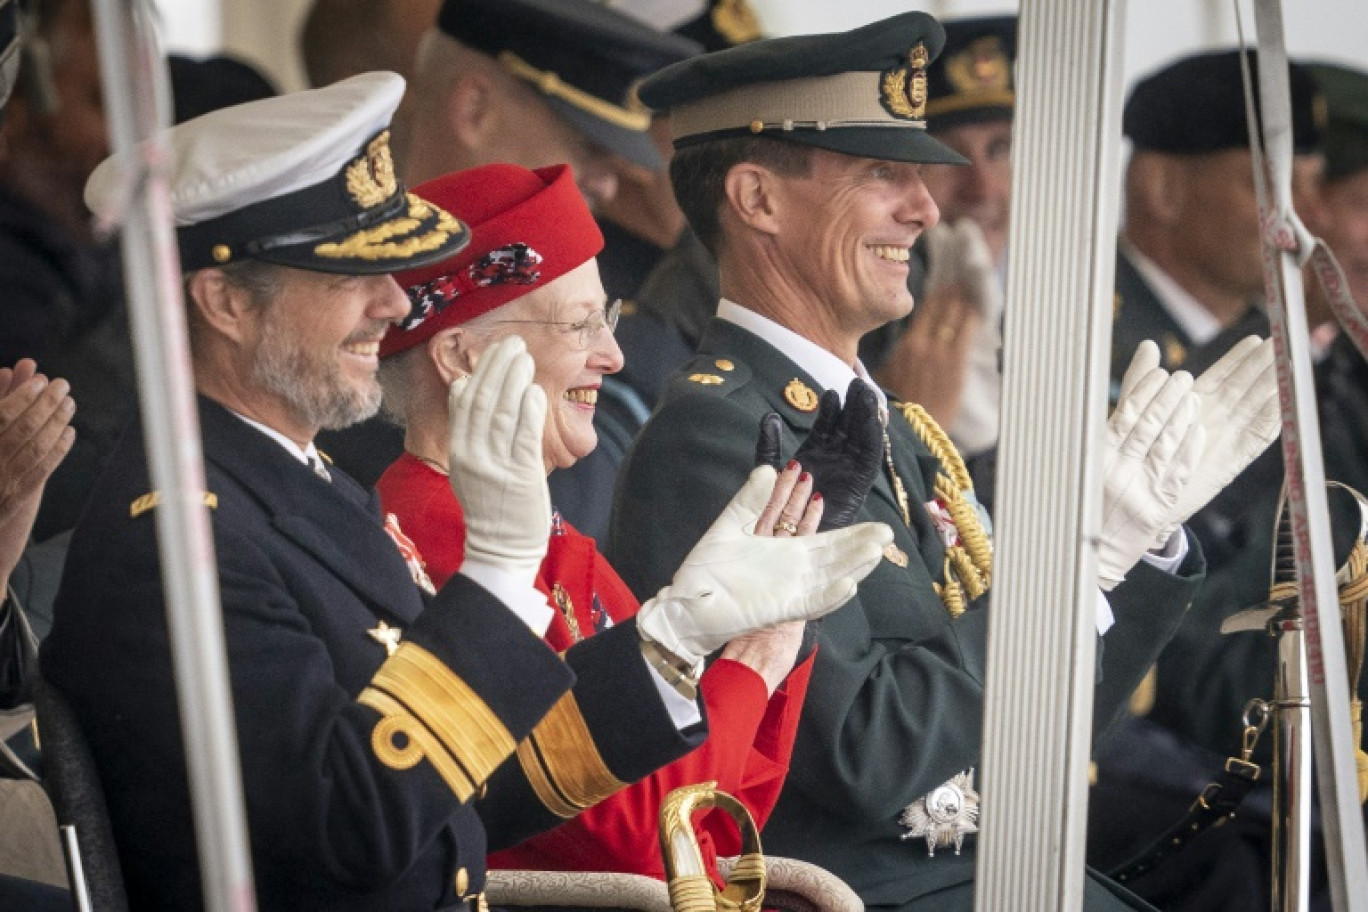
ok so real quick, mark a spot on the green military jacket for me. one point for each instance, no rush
(895, 707)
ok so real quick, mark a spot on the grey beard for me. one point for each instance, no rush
(320, 395)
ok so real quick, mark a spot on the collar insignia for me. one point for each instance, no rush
(386, 636)
(944, 815)
(981, 67)
(801, 396)
(370, 177)
(902, 89)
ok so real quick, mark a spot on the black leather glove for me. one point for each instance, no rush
(842, 451)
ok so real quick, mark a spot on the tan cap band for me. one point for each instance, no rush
(819, 103)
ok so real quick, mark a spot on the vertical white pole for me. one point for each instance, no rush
(1042, 633)
(136, 97)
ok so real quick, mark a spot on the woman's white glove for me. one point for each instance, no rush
(1153, 444)
(498, 416)
(1240, 415)
(734, 582)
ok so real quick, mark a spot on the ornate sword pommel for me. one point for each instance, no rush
(1351, 577)
(691, 890)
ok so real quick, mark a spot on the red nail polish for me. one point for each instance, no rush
(805, 478)
(817, 497)
(792, 464)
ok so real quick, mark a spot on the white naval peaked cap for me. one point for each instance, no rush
(304, 179)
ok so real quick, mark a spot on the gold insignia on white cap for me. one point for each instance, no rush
(370, 179)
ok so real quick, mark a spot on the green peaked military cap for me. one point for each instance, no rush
(861, 92)
(1346, 102)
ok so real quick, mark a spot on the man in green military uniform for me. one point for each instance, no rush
(797, 161)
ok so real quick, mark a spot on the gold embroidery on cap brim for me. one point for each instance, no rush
(377, 244)
(902, 89)
(370, 178)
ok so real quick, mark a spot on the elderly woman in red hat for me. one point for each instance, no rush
(530, 270)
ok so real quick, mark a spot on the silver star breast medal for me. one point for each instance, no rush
(944, 815)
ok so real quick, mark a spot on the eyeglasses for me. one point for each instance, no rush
(587, 330)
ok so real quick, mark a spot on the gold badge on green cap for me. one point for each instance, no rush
(981, 67)
(903, 88)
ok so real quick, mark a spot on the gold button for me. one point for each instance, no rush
(222, 253)
(461, 882)
(757, 126)
(724, 365)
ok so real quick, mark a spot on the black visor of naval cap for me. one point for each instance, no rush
(1197, 105)
(585, 59)
(861, 92)
(303, 180)
(973, 80)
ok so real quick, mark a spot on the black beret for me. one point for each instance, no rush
(972, 80)
(585, 59)
(1346, 104)
(861, 92)
(1197, 105)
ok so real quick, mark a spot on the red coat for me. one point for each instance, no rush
(750, 738)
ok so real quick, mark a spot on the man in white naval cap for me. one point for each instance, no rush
(369, 715)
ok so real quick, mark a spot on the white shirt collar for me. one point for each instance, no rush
(307, 455)
(1195, 320)
(829, 371)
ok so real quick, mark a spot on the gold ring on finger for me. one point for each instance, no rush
(784, 525)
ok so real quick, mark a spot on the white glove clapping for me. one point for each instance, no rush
(1153, 444)
(734, 582)
(1240, 415)
(498, 416)
(958, 255)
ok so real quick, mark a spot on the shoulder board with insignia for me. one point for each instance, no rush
(710, 372)
(151, 500)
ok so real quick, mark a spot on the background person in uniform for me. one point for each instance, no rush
(368, 717)
(533, 246)
(813, 229)
(1152, 768)
(531, 83)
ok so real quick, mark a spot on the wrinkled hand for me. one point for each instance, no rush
(843, 451)
(498, 416)
(35, 435)
(1153, 444)
(734, 582)
(1239, 413)
(793, 509)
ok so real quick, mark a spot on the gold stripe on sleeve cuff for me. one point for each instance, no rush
(562, 763)
(446, 706)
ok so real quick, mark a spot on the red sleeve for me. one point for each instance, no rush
(749, 743)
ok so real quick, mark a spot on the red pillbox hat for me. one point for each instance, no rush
(527, 229)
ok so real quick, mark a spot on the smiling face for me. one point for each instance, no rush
(569, 373)
(843, 234)
(315, 350)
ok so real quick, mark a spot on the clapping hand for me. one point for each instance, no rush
(842, 452)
